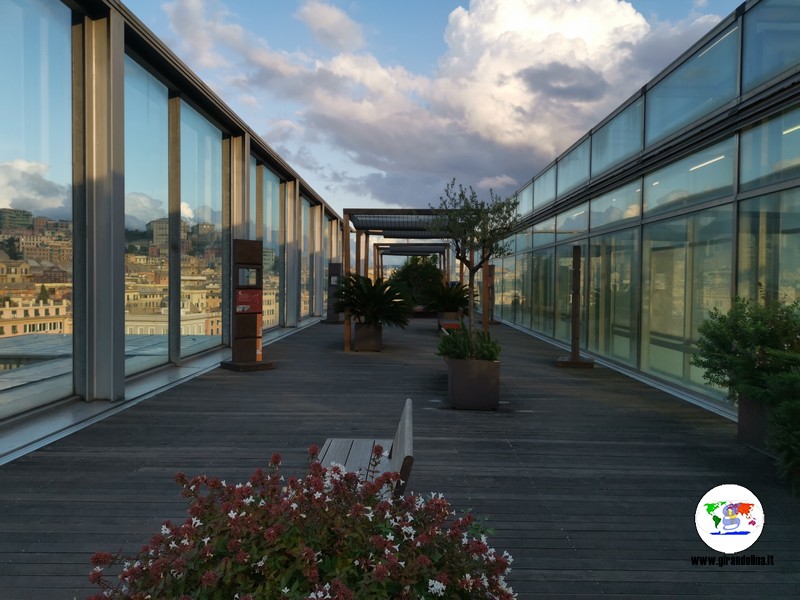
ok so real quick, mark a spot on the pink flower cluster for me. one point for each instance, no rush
(329, 534)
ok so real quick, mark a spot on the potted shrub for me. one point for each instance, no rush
(473, 369)
(371, 304)
(329, 534)
(448, 301)
(753, 350)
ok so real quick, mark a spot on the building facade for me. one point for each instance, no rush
(685, 196)
(126, 180)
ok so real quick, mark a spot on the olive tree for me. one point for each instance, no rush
(476, 229)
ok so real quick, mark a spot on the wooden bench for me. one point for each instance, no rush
(355, 454)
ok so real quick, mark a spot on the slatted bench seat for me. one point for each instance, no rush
(355, 454)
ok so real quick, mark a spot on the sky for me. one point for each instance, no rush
(379, 103)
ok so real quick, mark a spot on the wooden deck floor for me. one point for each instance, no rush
(589, 479)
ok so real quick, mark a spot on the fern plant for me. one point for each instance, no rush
(373, 302)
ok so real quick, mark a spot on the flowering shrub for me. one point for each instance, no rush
(330, 534)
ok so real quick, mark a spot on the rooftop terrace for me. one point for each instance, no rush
(589, 479)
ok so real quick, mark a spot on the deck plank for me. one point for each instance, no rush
(589, 478)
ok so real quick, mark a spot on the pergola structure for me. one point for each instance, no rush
(397, 223)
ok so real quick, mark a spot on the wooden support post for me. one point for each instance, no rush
(485, 304)
(376, 273)
(366, 255)
(358, 252)
(574, 359)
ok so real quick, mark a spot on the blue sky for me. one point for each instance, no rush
(378, 103)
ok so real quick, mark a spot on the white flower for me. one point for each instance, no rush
(196, 522)
(232, 514)
(436, 587)
(165, 530)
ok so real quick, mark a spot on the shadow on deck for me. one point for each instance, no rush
(588, 478)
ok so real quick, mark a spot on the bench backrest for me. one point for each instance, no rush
(401, 457)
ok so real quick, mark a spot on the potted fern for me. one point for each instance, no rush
(372, 304)
(448, 301)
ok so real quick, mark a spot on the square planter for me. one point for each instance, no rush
(367, 338)
(473, 384)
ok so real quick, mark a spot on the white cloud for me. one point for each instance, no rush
(520, 81)
(331, 26)
(24, 184)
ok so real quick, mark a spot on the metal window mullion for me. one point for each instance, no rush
(174, 256)
(103, 212)
(293, 252)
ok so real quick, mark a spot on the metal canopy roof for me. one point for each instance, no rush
(394, 222)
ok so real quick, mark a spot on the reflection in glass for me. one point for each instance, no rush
(251, 209)
(770, 151)
(273, 250)
(525, 200)
(573, 222)
(613, 296)
(618, 139)
(146, 222)
(573, 169)
(769, 247)
(544, 188)
(544, 232)
(542, 275)
(506, 299)
(564, 290)
(705, 175)
(306, 260)
(686, 272)
(705, 82)
(36, 246)
(201, 233)
(620, 205)
(524, 267)
(771, 41)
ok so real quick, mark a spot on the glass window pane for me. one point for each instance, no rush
(524, 240)
(524, 265)
(146, 221)
(686, 272)
(771, 151)
(36, 246)
(572, 222)
(769, 247)
(564, 290)
(251, 205)
(622, 204)
(526, 200)
(618, 139)
(273, 250)
(200, 233)
(505, 290)
(573, 169)
(542, 292)
(705, 82)
(306, 261)
(614, 298)
(705, 175)
(544, 188)
(771, 41)
(544, 232)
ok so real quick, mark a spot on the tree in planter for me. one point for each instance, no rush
(416, 275)
(476, 230)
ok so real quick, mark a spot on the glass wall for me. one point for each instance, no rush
(705, 175)
(542, 275)
(771, 41)
(251, 206)
(306, 260)
(544, 188)
(564, 271)
(702, 84)
(201, 233)
(273, 250)
(573, 169)
(620, 138)
(769, 247)
(526, 200)
(686, 272)
(506, 299)
(573, 222)
(613, 296)
(36, 234)
(770, 152)
(146, 220)
(623, 204)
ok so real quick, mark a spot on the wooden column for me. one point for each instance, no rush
(574, 359)
(366, 255)
(358, 252)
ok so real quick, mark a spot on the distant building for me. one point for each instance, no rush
(15, 218)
